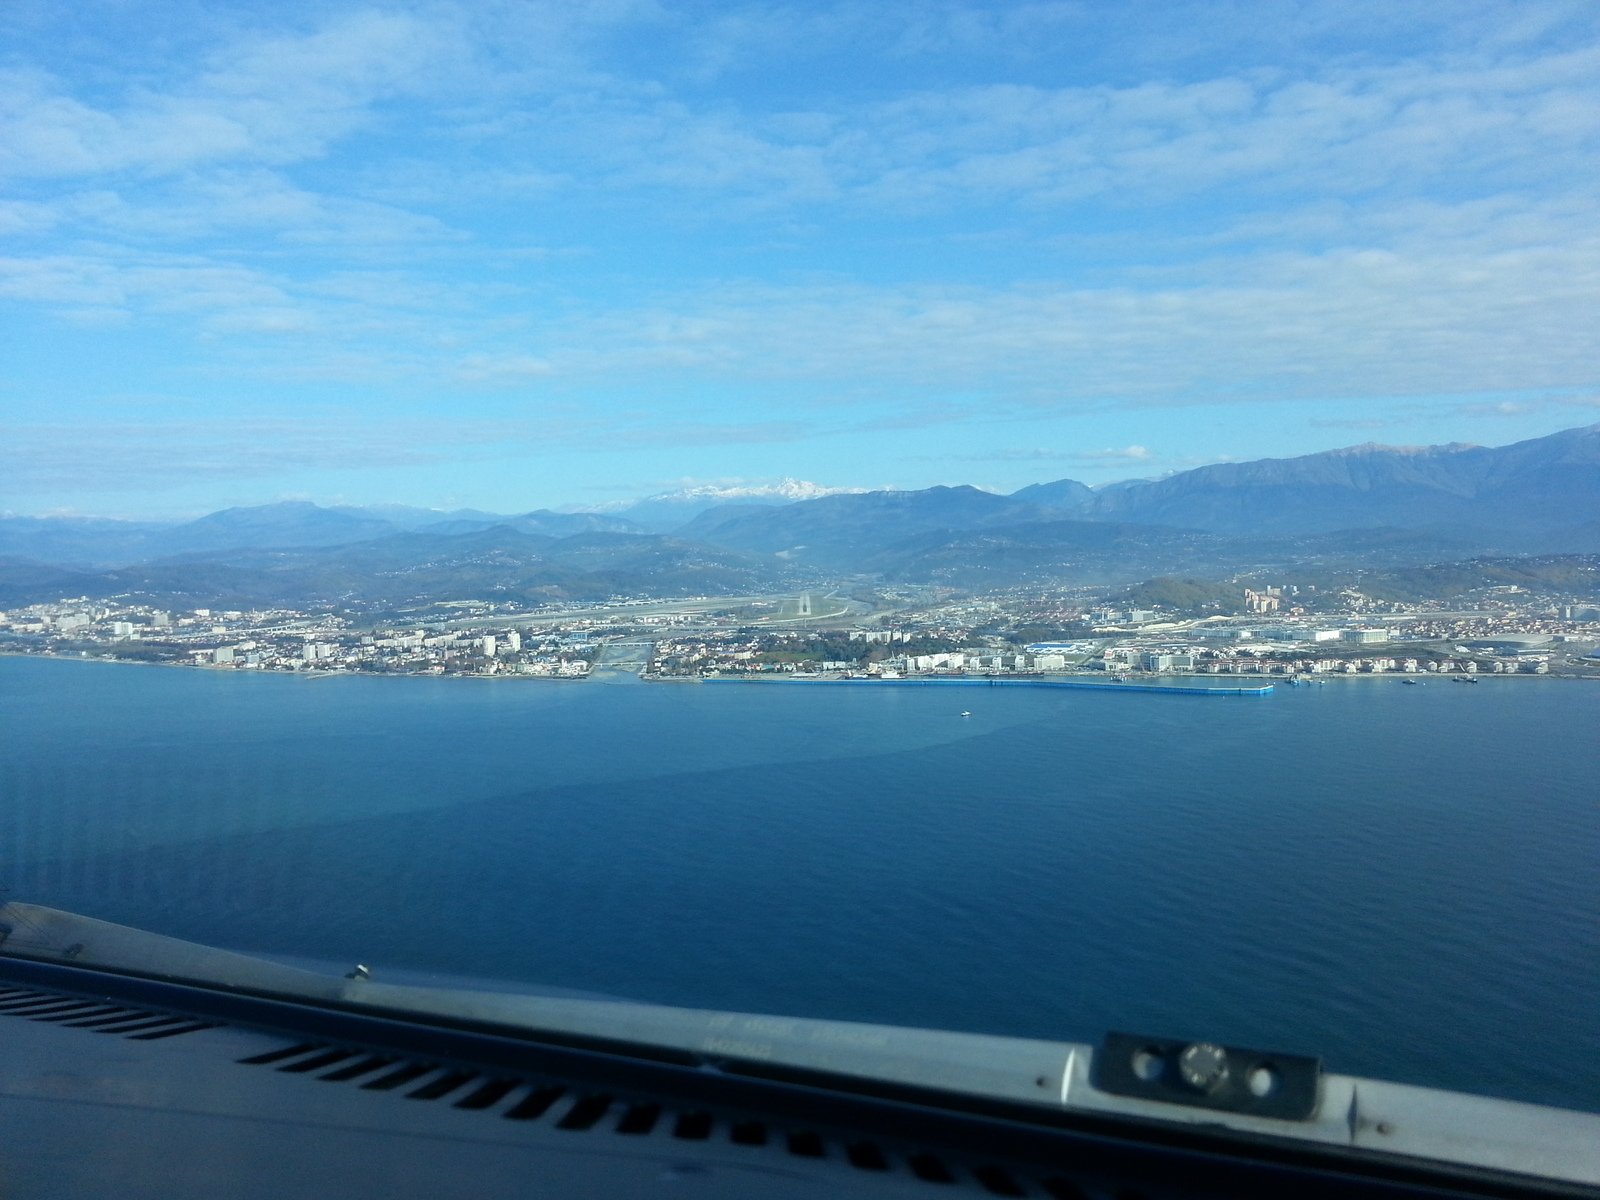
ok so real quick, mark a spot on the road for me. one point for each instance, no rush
(811, 610)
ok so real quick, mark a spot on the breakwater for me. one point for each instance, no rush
(1259, 690)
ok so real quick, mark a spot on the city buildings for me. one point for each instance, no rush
(910, 633)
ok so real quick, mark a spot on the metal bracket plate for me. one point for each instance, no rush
(1206, 1075)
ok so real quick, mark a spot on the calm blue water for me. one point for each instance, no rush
(1405, 880)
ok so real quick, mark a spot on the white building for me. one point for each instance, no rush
(1366, 637)
(927, 662)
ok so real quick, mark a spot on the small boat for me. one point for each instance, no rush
(966, 714)
(1465, 678)
(1409, 682)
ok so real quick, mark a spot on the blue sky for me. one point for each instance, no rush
(514, 255)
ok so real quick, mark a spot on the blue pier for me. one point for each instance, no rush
(1259, 690)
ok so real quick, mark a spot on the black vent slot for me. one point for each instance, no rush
(585, 1113)
(272, 1056)
(640, 1119)
(535, 1104)
(147, 1023)
(442, 1086)
(867, 1156)
(1063, 1189)
(101, 1020)
(488, 1094)
(998, 1181)
(394, 1079)
(355, 1070)
(98, 1016)
(126, 1024)
(807, 1145)
(693, 1126)
(21, 996)
(187, 1027)
(316, 1062)
(40, 1004)
(930, 1169)
(39, 1008)
(93, 1012)
(473, 1090)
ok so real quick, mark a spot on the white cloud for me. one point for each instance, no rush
(539, 112)
(263, 100)
(502, 369)
(1491, 296)
(334, 206)
(1499, 312)
(248, 201)
(1125, 455)
(1417, 297)
(1345, 129)
(190, 285)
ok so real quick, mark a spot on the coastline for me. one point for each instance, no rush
(1080, 681)
(222, 669)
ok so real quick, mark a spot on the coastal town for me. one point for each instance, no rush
(883, 635)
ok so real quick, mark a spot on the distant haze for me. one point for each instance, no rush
(1358, 505)
(668, 510)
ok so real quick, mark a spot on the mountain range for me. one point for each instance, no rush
(498, 563)
(1540, 484)
(1538, 495)
(98, 542)
(1361, 504)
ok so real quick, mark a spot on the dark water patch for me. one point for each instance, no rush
(1392, 877)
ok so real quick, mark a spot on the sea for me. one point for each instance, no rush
(1403, 880)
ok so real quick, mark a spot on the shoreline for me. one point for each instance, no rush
(217, 669)
(1081, 681)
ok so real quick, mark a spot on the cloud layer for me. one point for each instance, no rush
(693, 226)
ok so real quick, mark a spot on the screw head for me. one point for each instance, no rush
(1203, 1066)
